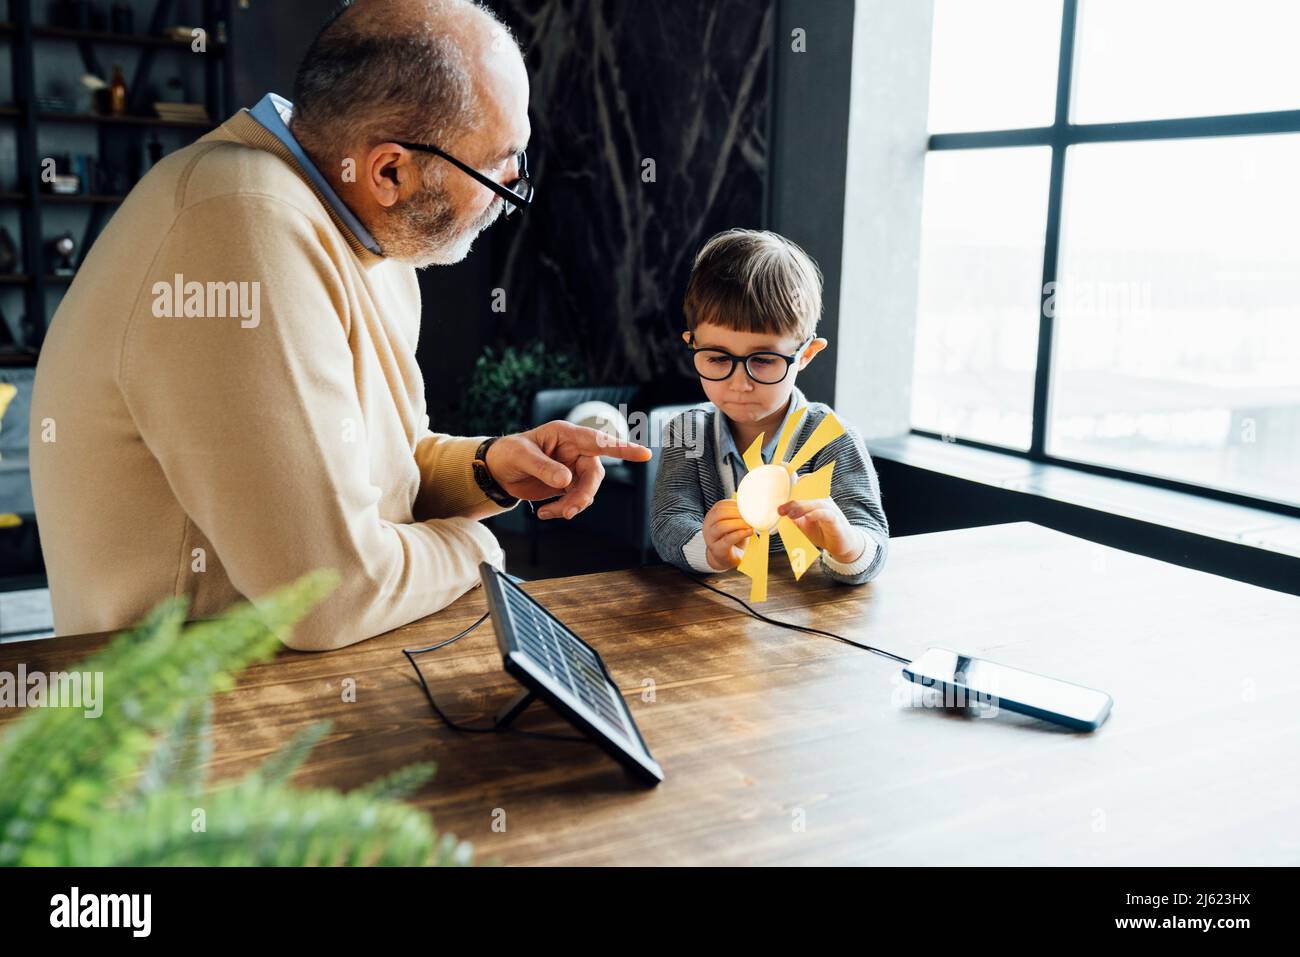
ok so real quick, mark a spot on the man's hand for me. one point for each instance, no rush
(558, 457)
(725, 534)
(826, 527)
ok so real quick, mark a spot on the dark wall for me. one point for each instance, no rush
(269, 38)
(649, 134)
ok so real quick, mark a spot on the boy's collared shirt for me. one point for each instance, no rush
(273, 112)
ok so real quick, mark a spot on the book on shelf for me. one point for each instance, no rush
(182, 112)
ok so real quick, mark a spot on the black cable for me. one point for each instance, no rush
(443, 644)
(410, 654)
(467, 729)
(699, 579)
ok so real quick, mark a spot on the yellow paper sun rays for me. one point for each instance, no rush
(767, 487)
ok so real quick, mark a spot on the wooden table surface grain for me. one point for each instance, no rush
(785, 748)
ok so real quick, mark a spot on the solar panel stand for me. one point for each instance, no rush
(515, 708)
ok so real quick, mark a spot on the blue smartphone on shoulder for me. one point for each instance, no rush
(963, 678)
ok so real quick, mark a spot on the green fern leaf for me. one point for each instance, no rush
(179, 759)
(281, 765)
(401, 784)
(257, 824)
(59, 770)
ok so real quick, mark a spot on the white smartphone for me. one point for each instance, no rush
(970, 679)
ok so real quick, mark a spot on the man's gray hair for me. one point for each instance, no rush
(360, 84)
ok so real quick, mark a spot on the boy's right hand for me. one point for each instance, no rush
(725, 533)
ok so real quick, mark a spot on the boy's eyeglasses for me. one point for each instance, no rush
(766, 368)
(517, 194)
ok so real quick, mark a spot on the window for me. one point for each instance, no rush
(977, 305)
(1114, 283)
(1158, 59)
(994, 78)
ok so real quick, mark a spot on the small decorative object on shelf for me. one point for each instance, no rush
(117, 93)
(61, 250)
(65, 184)
(71, 175)
(55, 103)
(94, 87)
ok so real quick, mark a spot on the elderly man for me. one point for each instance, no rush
(228, 395)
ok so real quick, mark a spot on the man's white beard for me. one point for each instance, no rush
(446, 250)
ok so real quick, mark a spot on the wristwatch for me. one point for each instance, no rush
(483, 478)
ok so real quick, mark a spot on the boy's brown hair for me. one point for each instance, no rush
(753, 280)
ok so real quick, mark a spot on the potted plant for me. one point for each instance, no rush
(498, 399)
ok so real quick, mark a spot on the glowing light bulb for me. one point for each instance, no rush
(762, 491)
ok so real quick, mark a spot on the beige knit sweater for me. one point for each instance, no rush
(284, 429)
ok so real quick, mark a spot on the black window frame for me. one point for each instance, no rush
(1060, 136)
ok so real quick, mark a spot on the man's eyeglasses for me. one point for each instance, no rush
(517, 194)
(766, 368)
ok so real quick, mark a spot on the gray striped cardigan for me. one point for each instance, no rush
(688, 485)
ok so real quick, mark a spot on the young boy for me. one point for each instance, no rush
(752, 306)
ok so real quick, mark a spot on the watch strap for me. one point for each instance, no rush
(483, 477)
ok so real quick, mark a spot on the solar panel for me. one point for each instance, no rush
(554, 664)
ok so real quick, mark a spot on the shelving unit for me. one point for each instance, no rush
(115, 134)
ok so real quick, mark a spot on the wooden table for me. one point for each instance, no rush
(780, 747)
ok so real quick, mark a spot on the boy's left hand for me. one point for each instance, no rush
(826, 527)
